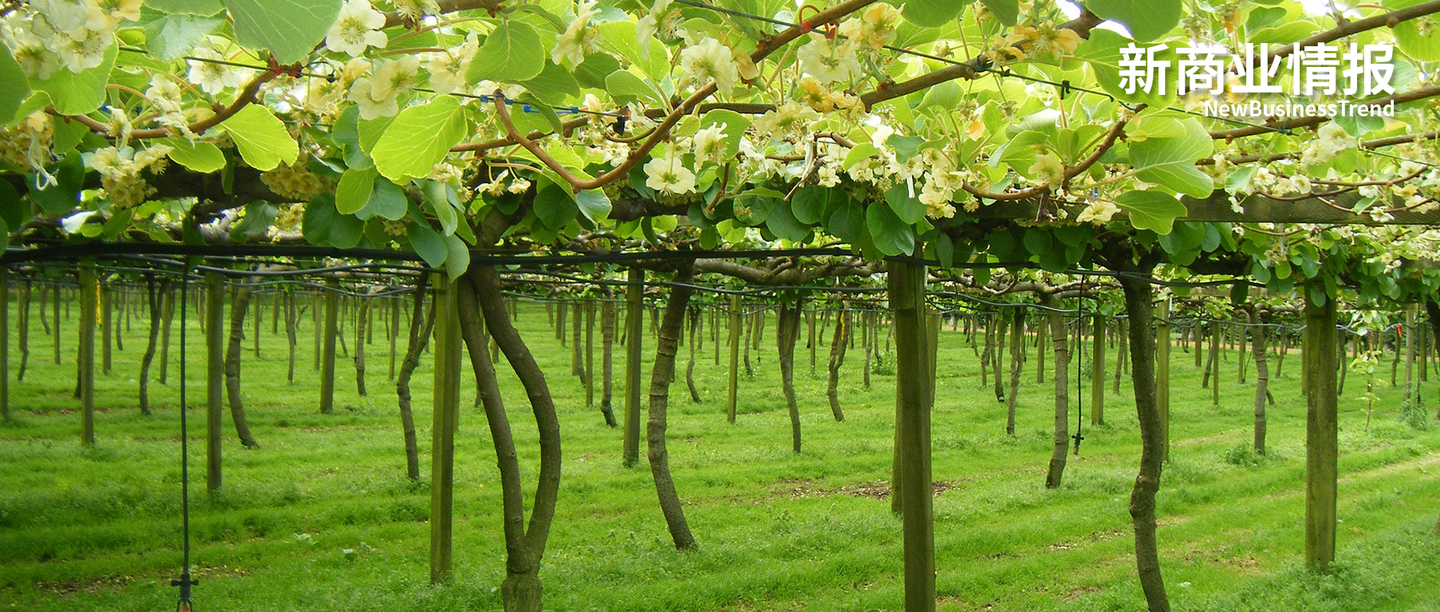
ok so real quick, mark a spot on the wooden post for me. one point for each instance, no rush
(1097, 373)
(734, 357)
(4, 343)
(88, 297)
(634, 338)
(907, 299)
(55, 328)
(1411, 331)
(327, 365)
(1321, 433)
(214, 375)
(107, 328)
(1162, 375)
(446, 409)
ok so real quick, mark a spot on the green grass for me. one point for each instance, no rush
(322, 517)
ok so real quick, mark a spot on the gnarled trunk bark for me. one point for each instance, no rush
(521, 588)
(232, 365)
(153, 299)
(1262, 376)
(837, 359)
(660, 375)
(787, 331)
(1017, 338)
(1055, 320)
(690, 366)
(420, 327)
(1138, 303)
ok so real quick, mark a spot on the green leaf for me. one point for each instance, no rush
(907, 208)
(1239, 292)
(261, 138)
(173, 36)
(944, 250)
(553, 86)
(935, 13)
(735, 126)
(592, 72)
(353, 192)
(1423, 46)
(1170, 162)
(442, 200)
(782, 223)
(256, 222)
(14, 88)
(420, 137)
(812, 201)
(61, 196)
(1007, 11)
(290, 30)
(554, 207)
(323, 225)
(847, 222)
(370, 130)
(186, 7)
(457, 257)
(892, 236)
(1146, 20)
(199, 156)
(1152, 210)
(512, 53)
(624, 86)
(428, 244)
(78, 93)
(594, 204)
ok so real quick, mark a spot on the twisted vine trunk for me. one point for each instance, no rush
(1432, 312)
(837, 359)
(607, 342)
(521, 588)
(290, 320)
(152, 299)
(1262, 376)
(787, 332)
(23, 339)
(661, 374)
(362, 320)
(1017, 338)
(1055, 321)
(690, 367)
(232, 365)
(420, 327)
(1139, 296)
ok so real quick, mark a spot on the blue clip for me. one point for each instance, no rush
(529, 109)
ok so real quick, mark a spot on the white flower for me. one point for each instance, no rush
(447, 72)
(357, 28)
(1048, 170)
(709, 60)
(213, 78)
(370, 108)
(108, 14)
(669, 174)
(413, 10)
(1098, 212)
(394, 78)
(828, 59)
(648, 26)
(710, 143)
(82, 48)
(578, 38)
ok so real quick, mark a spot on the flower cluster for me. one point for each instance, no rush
(296, 181)
(47, 35)
(119, 169)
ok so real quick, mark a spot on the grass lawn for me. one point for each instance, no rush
(321, 517)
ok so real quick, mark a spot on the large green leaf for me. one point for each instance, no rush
(427, 243)
(1152, 210)
(290, 29)
(594, 204)
(261, 138)
(199, 156)
(933, 13)
(1170, 162)
(1007, 11)
(512, 53)
(554, 206)
(1147, 20)
(782, 223)
(172, 36)
(906, 207)
(77, 93)
(386, 201)
(892, 236)
(13, 86)
(420, 137)
(323, 225)
(186, 7)
(457, 257)
(553, 86)
(353, 191)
